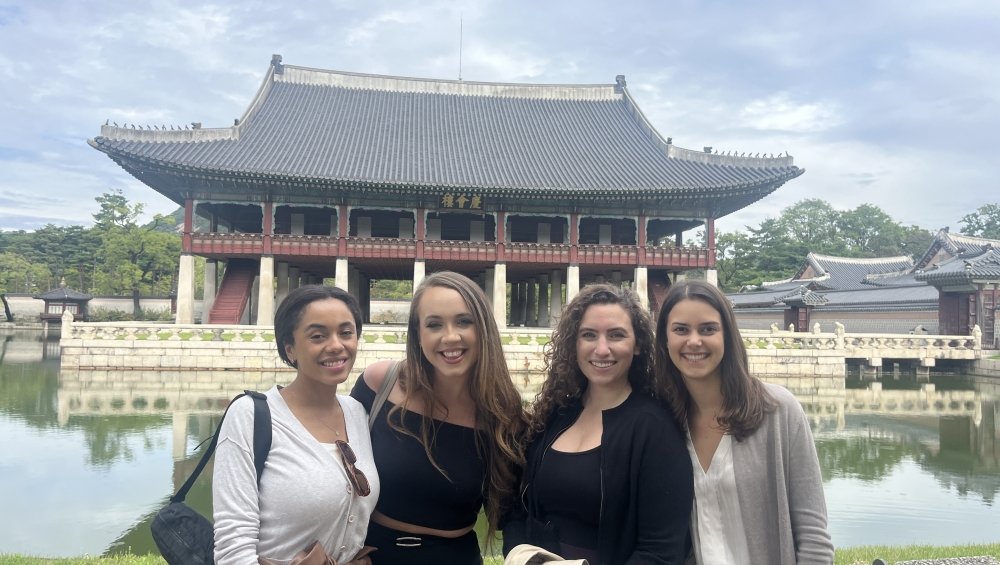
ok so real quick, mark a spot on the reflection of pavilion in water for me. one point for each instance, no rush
(860, 433)
(952, 434)
(18, 347)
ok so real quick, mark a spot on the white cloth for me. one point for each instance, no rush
(716, 523)
(304, 494)
(525, 554)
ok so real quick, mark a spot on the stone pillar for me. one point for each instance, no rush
(282, 276)
(543, 301)
(500, 294)
(515, 304)
(641, 286)
(354, 283)
(572, 282)
(555, 301)
(185, 290)
(250, 313)
(265, 296)
(211, 281)
(531, 317)
(179, 421)
(342, 276)
(419, 272)
(489, 285)
(712, 277)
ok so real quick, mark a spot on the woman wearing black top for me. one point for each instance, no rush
(607, 477)
(447, 440)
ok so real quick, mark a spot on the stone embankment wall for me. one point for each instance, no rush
(170, 357)
(988, 368)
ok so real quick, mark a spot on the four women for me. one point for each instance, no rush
(605, 474)
(319, 482)
(606, 479)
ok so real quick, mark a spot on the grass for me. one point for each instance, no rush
(848, 556)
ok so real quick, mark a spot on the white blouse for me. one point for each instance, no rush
(716, 523)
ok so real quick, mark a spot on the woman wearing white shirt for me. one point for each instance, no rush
(758, 488)
(319, 482)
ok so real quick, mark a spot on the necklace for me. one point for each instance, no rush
(288, 391)
(331, 428)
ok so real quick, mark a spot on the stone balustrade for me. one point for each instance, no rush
(212, 357)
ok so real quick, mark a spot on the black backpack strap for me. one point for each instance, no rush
(261, 441)
(261, 431)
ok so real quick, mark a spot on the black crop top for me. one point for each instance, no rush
(412, 490)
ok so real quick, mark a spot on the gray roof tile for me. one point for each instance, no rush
(348, 128)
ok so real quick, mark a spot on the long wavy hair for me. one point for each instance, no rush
(500, 416)
(565, 381)
(745, 401)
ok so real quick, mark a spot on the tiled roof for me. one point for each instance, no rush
(845, 273)
(868, 298)
(63, 293)
(954, 244)
(348, 129)
(802, 295)
(984, 265)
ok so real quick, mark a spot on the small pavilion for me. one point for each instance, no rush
(532, 190)
(62, 299)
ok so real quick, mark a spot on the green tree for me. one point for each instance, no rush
(735, 261)
(984, 222)
(135, 258)
(17, 274)
(812, 223)
(867, 231)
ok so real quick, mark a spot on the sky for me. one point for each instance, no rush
(894, 103)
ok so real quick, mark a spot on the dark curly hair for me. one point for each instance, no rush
(745, 401)
(565, 381)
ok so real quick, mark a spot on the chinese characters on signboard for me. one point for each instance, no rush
(462, 201)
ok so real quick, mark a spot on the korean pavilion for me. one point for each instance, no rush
(530, 189)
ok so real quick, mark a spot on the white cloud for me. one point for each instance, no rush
(780, 112)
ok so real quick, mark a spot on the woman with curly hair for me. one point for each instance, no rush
(606, 477)
(447, 440)
(758, 487)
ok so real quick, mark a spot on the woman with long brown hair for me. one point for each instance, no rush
(447, 439)
(606, 477)
(758, 488)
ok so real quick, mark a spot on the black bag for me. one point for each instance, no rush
(185, 537)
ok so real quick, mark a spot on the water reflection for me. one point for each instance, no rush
(92, 456)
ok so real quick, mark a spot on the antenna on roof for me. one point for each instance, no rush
(460, 18)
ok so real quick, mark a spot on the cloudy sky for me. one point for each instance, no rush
(894, 102)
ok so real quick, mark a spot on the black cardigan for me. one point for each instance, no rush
(646, 481)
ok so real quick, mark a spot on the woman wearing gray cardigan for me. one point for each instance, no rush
(758, 488)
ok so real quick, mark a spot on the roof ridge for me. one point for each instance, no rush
(863, 260)
(366, 81)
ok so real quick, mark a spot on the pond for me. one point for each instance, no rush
(83, 471)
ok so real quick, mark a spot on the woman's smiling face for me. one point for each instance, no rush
(605, 345)
(695, 339)
(448, 336)
(325, 342)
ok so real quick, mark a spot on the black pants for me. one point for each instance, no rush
(402, 548)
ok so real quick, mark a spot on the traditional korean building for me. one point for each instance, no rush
(953, 287)
(969, 290)
(529, 189)
(874, 295)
